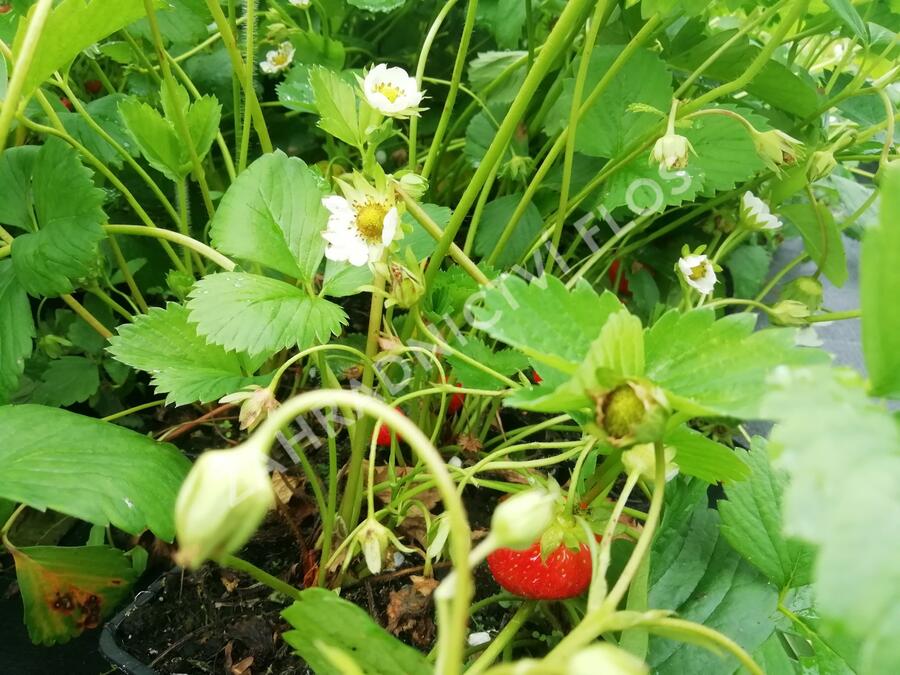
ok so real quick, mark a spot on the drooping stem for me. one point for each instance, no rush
(504, 637)
(451, 638)
(177, 238)
(261, 576)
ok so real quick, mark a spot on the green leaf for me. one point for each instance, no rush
(544, 319)
(880, 279)
(60, 41)
(67, 212)
(183, 365)
(321, 618)
(88, 469)
(850, 17)
(336, 103)
(418, 238)
(295, 90)
(180, 22)
(157, 137)
(725, 157)
(105, 112)
(751, 521)
(258, 315)
(67, 590)
(16, 201)
(506, 362)
(377, 5)
(67, 380)
(608, 126)
(821, 238)
(485, 68)
(273, 215)
(697, 455)
(505, 19)
(16, 330)
(695, 572)
(749, 267)
(719, 367)
(842, 454)
(494, 218)
(342, 279)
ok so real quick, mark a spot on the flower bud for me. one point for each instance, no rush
(256, 403)
(440, 526)
(671, 151)
(790, 313)
(373, 538)
(807, 290)
(222, 501)
(520, 521)
(821, 164)
(407, 282)
(632, 413)
(604, 657)
(412, 184)
(756, 215)
(641, 459)
(776, 148)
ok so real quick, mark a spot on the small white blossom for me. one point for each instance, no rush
(520, 521)
(278, 59)
(361, 225)
(480, 638)
(392, 92)
(672, 151)
(698, 272)
(302, 4)
(756, 213)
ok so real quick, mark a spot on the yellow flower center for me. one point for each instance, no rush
(698, 272)
(370, 221)
(389, 91)
(279, 59)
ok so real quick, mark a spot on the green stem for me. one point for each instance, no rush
(176, 237)
(261, 576)
(835, 316)
(88, 318)
(435, 231)
(420, 74)
(674, 628)
(135, 409)
(21, 67)
(181, 123)
(350, 502)
(504, 637)
(237, 65)
(452, 631)
(184, 224)
(559, 145)
(458, 68)
(249, 47)
(555, 45)
(574, 111)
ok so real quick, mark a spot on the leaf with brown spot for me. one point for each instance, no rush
(66, 590)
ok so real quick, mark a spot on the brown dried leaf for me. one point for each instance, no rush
(243, 667)
(409, 612)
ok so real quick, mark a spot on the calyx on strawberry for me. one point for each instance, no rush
(556, 567)
(564, 574)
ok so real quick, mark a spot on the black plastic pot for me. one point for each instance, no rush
(111, 641)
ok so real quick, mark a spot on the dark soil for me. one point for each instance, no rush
(210, 620)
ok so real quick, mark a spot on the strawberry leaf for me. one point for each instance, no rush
(69, 590)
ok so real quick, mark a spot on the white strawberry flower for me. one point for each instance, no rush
(698, 272)
(278, 59)
(392, 92)
(302, 4)
(756, 213)
(362, 223)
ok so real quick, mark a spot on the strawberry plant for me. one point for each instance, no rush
(473, 335)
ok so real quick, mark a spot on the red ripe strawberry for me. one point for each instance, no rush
(456, 402)
(93, 86)
(385, 434)
(614, 273)
(66, 103)
(565, 574)
(537, 379)
(5, 8)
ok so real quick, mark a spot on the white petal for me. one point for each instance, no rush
(339, 207)
(389, 226)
